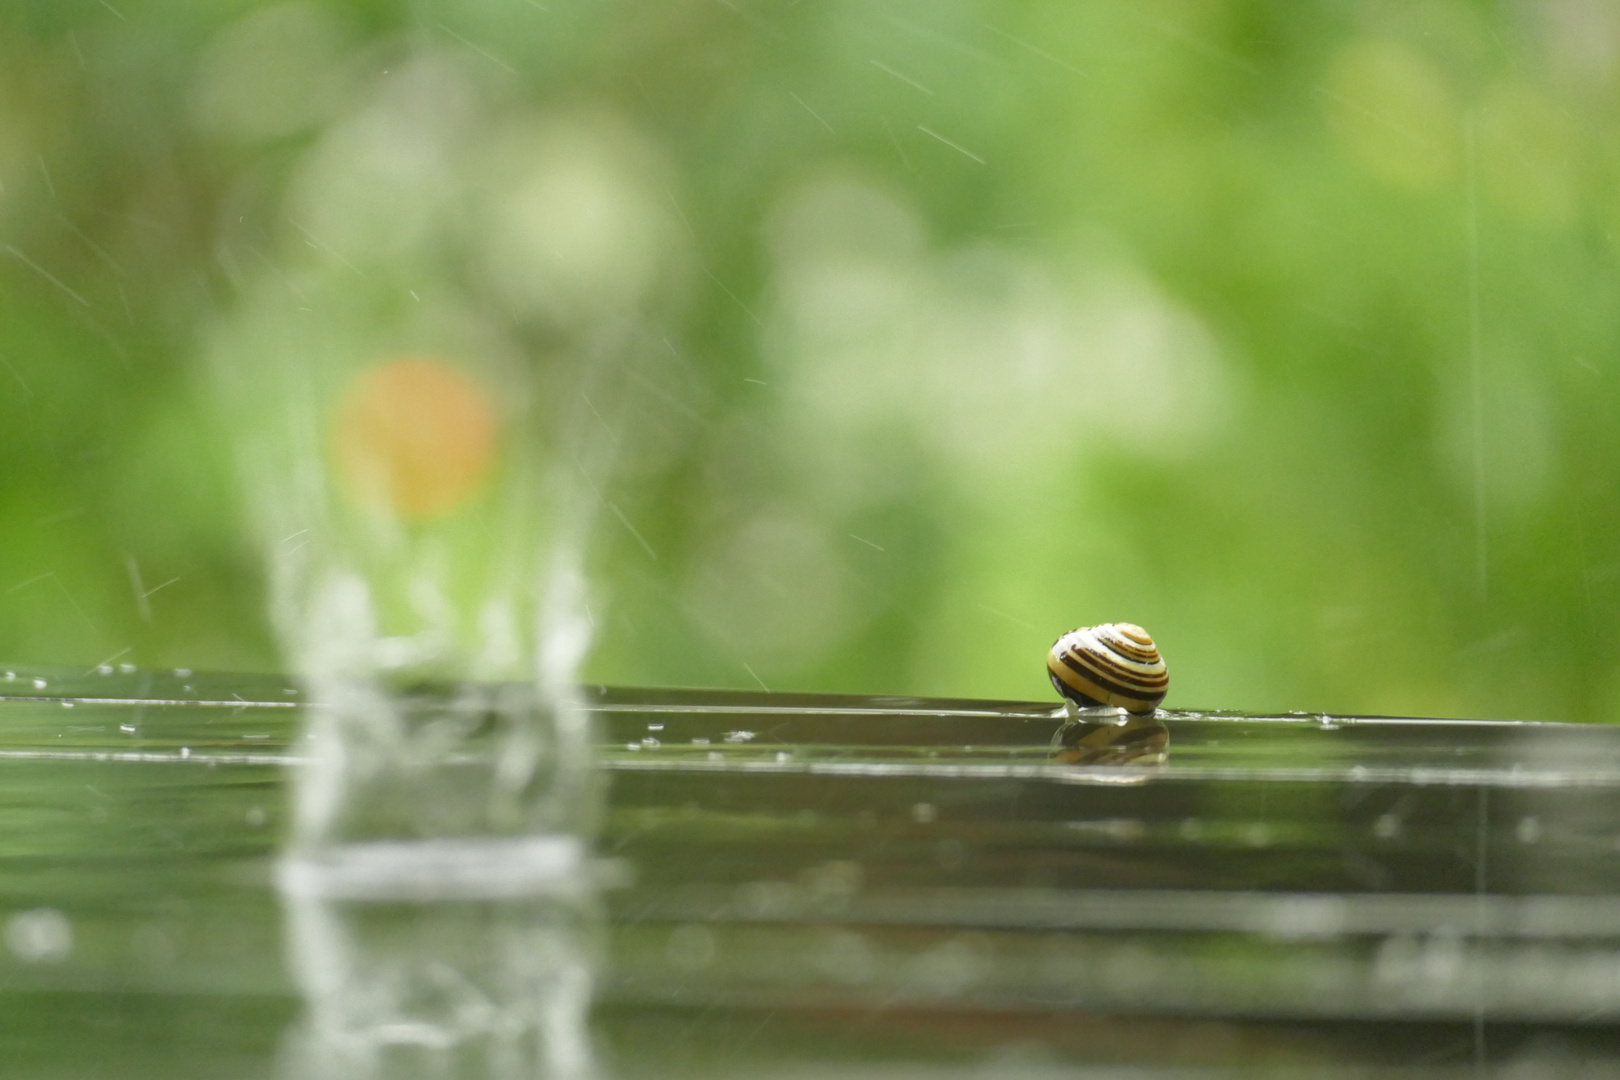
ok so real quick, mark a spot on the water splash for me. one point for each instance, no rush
(424, 558)
(437, 887)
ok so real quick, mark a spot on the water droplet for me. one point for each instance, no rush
(40, 684)
(1387, 827)
(185, 751)
(126, 669)
(1528, 830)
(655, 727)
(67, 704)
(700, 742)
(924, 813)
(182, 673)
(127, 728)
(104, 669)
(739, 736)
(649, 741)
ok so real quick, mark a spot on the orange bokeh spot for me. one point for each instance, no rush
(414, 436)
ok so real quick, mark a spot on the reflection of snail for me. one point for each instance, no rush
(1112, 679)
(1111, 664)
(1105, 739)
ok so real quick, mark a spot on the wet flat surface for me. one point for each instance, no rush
(888, 884)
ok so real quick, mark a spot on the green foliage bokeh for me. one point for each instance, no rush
(1289, 331)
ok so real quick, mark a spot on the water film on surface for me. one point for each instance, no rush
(786, 884)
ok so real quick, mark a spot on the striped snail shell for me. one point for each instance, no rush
(1112, 664)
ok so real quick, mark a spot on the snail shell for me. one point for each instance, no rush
(1112, 664)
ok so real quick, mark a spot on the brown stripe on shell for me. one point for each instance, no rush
(1110, 660)
(1092, 687)
(1104, 663)
(1130, 652)
(1101, 663)
(1136, 634)
(1096, 683)
(1126, 645)
(1147, 694)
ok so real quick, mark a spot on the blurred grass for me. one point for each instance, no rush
(954, 326)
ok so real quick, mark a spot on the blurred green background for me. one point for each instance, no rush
(1289, 331)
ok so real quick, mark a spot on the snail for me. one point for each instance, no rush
(1112, 664)
(1112, 678)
